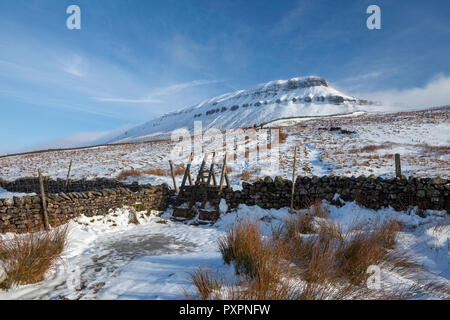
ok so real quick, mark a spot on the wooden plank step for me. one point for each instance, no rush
(208, 215)
(183, 212)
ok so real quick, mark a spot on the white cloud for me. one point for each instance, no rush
(292, 19)
(435, 93)
(79, 139)
(158, 92)
(364, 76)
(124, 100)
(74, 66)
(187, 53)
(181, 86)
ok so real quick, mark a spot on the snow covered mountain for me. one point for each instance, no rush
(297, 97)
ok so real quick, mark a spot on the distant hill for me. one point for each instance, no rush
(308, 96)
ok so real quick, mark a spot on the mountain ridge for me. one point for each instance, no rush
(296, 97)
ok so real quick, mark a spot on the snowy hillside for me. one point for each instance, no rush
(297, 97)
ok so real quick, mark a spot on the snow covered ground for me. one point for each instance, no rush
(108, 258)
(422, 138)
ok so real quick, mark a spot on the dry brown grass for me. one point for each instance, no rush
(156, 172)
(307, 247)
(299, 223)
(259, 263)
(216, 286)
(316, 208)
(332, 256)
(283, 136)
(251, 255)
(370, 247)
(179, 169)
(206, 283)
(438, 149)
(330, 229)
(26, 259)
(249, 176)
(229, 169)
(245, 175)
(264, 265)
(125, 174)
(372, 148)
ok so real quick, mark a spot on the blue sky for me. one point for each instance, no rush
(133, 60)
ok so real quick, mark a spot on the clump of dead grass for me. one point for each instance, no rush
(251, 255)
(248, 176)
(125, 174)
(307, 257)
(156, 172)
(318, 209)
(27, 258)
(179, 170)
(210, 285)
(283, 136)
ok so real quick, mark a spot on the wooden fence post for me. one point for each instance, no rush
(187, 173)
(200, 176)
(293, 179)
(173, 176)
(211, 169)
(44, 202)
(222, 176)
(398, 167)
(227, 180)
(213, 172)
(68, 175)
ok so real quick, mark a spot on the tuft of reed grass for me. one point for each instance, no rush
(309, 257)
(27, 258)
(318, 209)
(125, 174)
(205, 283)
(156, 172)
(216, 286)
(252, 255)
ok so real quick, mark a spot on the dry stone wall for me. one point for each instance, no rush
(96, 197)
(31, 185)
(371, 192)
(25, 214)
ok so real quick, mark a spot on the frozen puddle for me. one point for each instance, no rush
(153, 245)
(117, 255)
